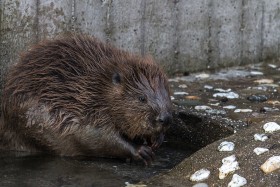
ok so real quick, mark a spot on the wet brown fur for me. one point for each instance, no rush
(78, 96)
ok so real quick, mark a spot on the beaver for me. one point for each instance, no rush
(75, 95)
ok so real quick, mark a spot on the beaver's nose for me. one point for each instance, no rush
(164, 119)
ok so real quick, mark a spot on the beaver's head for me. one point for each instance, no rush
(140, 99)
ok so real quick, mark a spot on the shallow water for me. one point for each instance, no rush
(21, 169)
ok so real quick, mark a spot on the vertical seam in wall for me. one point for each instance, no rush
(278, 35)
(262, 33)
(73, 16)
(143, 27)
(210, 38)
(37, 30)
(242, 27)
(108, 29)
(176, 48)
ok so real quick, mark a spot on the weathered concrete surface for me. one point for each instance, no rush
(245, 82)
(183, 35)
(209, 158)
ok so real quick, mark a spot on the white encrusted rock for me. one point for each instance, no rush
(271, 127)
(243, 110)
(230, 165)
(180, 93)
(200, 185)
(226, 146)
(229, 95)
(260, 150)
(229, 107)
(202, 107)
(260, 137)
(237, 181)
(200, 175)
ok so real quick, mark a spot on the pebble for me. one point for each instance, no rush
(273, 102)
(243, 110)
(127, 184)
(271, 127)
(208, 87)
(181, 93)
(229, 95)
(200, 185)
(222, 90)
(260, 137)
(257, 98)
(272, 66)
(256, 73)
(264, 81)
(230, 165)
(237, 181)
(272, 164)
(202, 76)
(216, 112)
(200, 175)
(214, 104)
(229, 107)
(202, 107)
(260, 150)
(226, 146)
(268, 109)
(192, 97)
(182, 86)
(258, 88)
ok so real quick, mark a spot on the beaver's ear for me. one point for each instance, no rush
(116, 78)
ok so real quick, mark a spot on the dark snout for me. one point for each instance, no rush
(164, 119)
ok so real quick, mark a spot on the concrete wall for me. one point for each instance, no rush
(184, 35)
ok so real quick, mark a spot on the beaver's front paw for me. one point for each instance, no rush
(146, 154)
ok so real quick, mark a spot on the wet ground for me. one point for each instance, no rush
(208, 106)
(21, 169)
(243, 94)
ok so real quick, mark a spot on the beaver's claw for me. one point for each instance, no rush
(158, 141)
(146, 154)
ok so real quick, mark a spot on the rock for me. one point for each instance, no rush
(222, 90)
(237, 181)
(180, 93)
(257, 98)
(208, 87)
(200, 175)
(243, 110)
(202, 107)
(202, 76)
(260, 150)
(229, 95)
(256, 73)
(272, 164)
(229, 107)
(226, 146)
(271, 127)
(264, 81)
(230, 165)
(182, 86)
(200, 185)
(208, 157)
(260, 137)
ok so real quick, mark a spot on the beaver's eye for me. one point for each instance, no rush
(142, 98)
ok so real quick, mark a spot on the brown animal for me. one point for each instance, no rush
(78, 96)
